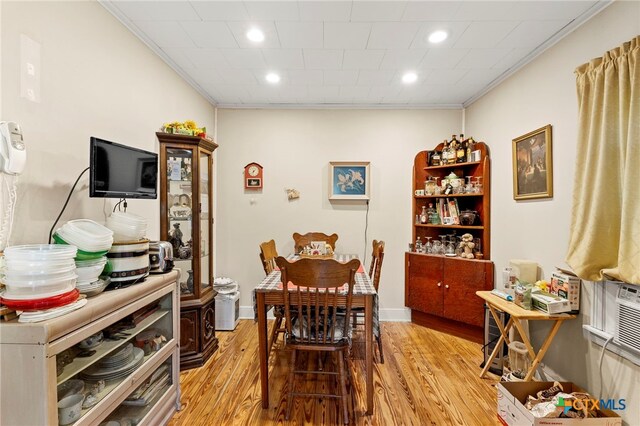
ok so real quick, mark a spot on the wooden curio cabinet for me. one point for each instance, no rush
(440, 289)
(186, 221)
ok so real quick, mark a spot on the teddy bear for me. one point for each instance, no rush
(467, 245)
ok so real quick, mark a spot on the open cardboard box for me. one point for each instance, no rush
(512, 412)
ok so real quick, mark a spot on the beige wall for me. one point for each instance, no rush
(97, 79)
(544, 93)
(295, 148)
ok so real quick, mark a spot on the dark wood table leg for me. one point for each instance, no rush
(368, 349)
(262, 344)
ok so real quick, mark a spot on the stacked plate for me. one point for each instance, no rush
(116, 365)
(127, 226)
(39, 276)
(92, 239)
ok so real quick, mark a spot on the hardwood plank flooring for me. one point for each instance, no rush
(428, 378)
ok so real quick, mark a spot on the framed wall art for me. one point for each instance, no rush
(532, 165)
(349, 180)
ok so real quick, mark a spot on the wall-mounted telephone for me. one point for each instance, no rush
(13, 153)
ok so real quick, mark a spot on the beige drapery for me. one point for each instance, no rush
(605, 222)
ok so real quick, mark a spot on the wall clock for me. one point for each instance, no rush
(253, 176)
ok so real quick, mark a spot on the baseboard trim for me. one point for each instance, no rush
(388, 314)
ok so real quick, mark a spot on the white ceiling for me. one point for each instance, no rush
(349, 53)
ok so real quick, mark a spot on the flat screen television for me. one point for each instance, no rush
(119, 171)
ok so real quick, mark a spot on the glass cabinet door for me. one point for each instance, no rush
(180, 213)
(205, 221)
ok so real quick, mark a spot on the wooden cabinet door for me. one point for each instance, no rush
(189, 332)
(424, 283)
(208, 323)
(462, 279)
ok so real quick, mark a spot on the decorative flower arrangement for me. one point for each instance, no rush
(189, 127)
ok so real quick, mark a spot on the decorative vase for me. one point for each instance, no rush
(190, 281)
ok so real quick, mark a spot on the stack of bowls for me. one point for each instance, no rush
(92, 239)
(127, 227)
(89, 271)
(40, 276)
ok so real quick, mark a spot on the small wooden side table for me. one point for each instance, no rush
(518, 314)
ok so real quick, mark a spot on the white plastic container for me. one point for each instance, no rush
(89, 270)
(31, 265)
(25, 289)
(127, 226)
(87, 235)
(38, 272)
(40, 252)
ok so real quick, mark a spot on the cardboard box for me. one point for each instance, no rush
(568, 287)
(526, 270)
(512, 412)
(550, 304)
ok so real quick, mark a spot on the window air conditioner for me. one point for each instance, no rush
(628, 313)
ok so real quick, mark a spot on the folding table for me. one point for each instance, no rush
(518, 314)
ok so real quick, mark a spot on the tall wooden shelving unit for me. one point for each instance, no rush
(441, 290)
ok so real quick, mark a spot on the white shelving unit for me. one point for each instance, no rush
(28, 354)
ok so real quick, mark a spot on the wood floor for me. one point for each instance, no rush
(427, 378)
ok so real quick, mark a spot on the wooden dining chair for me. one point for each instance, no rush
(377, 256)
(268, 254)
(313, 321)
(300, 241)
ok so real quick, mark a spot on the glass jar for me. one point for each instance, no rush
(430, 186)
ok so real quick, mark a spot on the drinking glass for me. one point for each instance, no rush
(469, 187)
(478, 246)
(459, 249)
(478, 185)
(437, 247)
(443, 243)
(428, 246)
(450, 249)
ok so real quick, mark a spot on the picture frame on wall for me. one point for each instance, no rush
(533, 165)
(349, 180)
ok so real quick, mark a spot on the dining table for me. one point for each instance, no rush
(270, 292)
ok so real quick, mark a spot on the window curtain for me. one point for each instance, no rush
(605, 223)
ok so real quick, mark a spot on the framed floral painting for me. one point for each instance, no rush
(349, 180)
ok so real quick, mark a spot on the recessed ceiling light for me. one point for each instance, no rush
(438, 36)
(255, 35)
(409, 77)
(272, 78)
